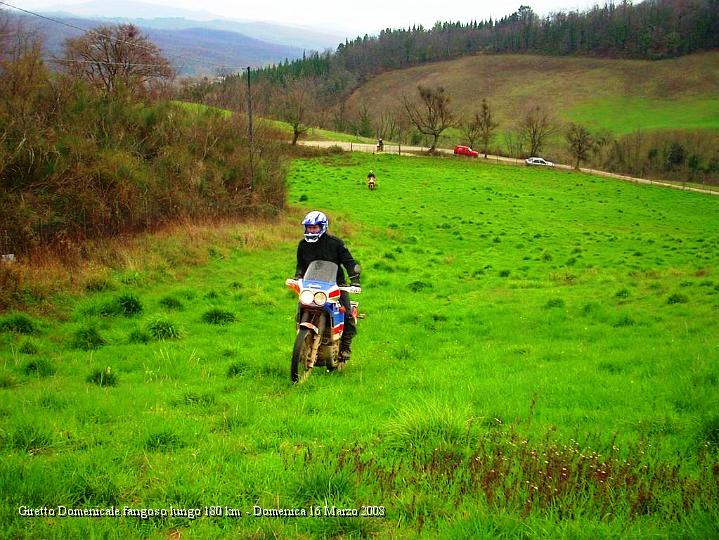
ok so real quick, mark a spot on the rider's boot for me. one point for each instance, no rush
(345, 350)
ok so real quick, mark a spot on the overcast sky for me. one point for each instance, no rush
(345, 17)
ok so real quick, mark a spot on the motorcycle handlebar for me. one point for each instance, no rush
(352, 290)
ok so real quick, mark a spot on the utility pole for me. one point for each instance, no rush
(249, 128)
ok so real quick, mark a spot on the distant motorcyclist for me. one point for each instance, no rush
(371, 179)
(380, 145)
(318, 244)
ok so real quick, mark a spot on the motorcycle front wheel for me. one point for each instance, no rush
(301, 355)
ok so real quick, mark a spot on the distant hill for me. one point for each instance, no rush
(197, 46)
(192, 50)
(148, 15)
(296, 38)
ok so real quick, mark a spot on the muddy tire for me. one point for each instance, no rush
(301, 355)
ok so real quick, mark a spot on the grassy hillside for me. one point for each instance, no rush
(538, 359)
(618, 95)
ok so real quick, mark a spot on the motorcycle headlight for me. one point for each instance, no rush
(320, 298)
(306, 297)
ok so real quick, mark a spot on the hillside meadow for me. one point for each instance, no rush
(646, 107)
(621, 96)
(538, 359)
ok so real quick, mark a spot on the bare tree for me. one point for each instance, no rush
(580, 143)
(111, 57)
(513, 142)
(487, 125)
(432, 116)
(481, 127)
(23, 75)
(536, 127)
(363, 125)
(470, 129)
(387, 125)
(295, 104)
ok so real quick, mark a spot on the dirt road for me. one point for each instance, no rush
(413, 150)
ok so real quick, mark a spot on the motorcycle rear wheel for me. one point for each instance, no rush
(301, 355)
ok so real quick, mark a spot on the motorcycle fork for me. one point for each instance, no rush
(320, 321)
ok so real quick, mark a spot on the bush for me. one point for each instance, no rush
(96, 165)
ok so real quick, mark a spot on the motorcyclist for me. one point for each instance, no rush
(371, 177)
(318, 244)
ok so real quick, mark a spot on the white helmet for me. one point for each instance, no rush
(315, 218)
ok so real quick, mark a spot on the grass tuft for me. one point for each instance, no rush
(554, 303)
(677, 298)
(425, 426)
(237, 369)
(126, 305)
(139, 337)
(18, 322)
(87, 338)
(103, 377)
(163, 441)
(622, 293)
(163, 329)
(7, 380)
(98, 285)
(318, 485)
(710, 431)
(39, 367)
(196, 399)
(218, 316)
(28, 347)
(28, 438)
(417, 286)
(172, 303)
(624, 321)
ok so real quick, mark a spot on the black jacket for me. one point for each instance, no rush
(327, 248)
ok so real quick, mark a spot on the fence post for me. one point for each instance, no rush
(399, 149)
(350, 146)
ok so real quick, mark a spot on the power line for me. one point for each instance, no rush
(128, 64)
(184, 58)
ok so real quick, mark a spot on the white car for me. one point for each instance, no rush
(538, 161)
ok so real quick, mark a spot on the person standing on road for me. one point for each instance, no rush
(318, 244)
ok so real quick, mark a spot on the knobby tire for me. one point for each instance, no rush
(302, 350)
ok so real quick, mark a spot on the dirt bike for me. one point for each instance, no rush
(320, 319)
(371, 183)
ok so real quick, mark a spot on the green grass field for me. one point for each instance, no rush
(538, 359)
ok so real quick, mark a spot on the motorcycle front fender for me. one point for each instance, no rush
(311, 327)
